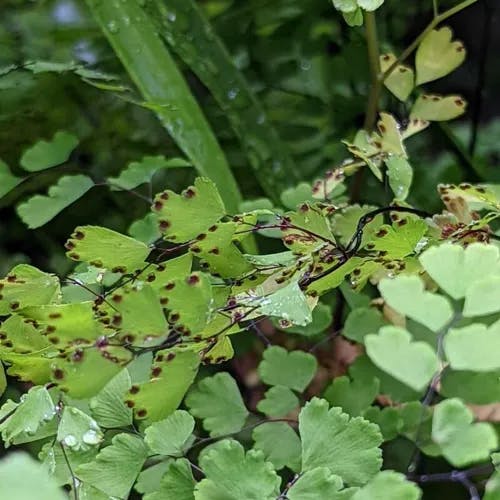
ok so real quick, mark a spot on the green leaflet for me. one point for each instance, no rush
(177, 483)
(8, 181)
(407, 296)
(116, 467)
(475, 347)
(16, 468)
(140, 172)
(232, 474)
(401, 80)
(438, 55)
(388, 485)
(25, 286)
(182, 217)
(435, 108)
(47, 154)
(293, 369)
(393, 351)
(279, 443)
(107, 407)
(172, 373)
(400, 175)
(163, 87)
(38, 210)
(347, 447)
(278, 401)
(104, 248)
(171, 435)
(207, 57)
(77, 431)
(218, 402)
(319, 483)
(461, 441)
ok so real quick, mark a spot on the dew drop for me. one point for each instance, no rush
(232, 93)
(70, 440)
(113, 27)
(91, 437)
(172, 16)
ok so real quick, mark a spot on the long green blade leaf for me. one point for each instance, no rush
(186, 29)
(133, 37)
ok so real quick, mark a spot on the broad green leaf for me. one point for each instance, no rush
(140, 172)
(438, 55)
(170, 436)
(23, 478)
(177, 483)
(116, 467)
(86, 371)
(362, 321)
(294, 196)
(31, 418)
(345, 5)
(400, 175)
(206, 55)
(218, 402)
(232, 474)
(216, 248)
(8, 181)
(388, 485)
(66, 324)
(279, 443)
(38, 210)
(347, 447)
(182, 217)
(162, 85)
(108, 407)
(388, 420)
(370, 4)
(455, 269)
(104, 248)
(436, 108)
(321, 319)
(278, 401)
(319, 483)
(25, 286)
(353, 396)
(401, 80)
(401, 239)
(393, 351)
(407, 296)
(288, 303)
(47, 154)
(462, 442)
(77, 431)
(482, 297)
(474, 347)
(294, 369)
(353, 18)
(172, 373)
(472, 387)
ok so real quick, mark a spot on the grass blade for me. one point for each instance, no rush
(147, 60)
(189, 33)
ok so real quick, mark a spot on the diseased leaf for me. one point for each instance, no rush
(182, 217)
(393, 351)
(116, 467)
(218, 402)
(232, 474)
(104, 248)
(435, 108)
(438, 55)
(347, 447)
(47, 154)
(462, 442)
(38, 210)
(401, 80)
(400, 175)
(293, 369)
